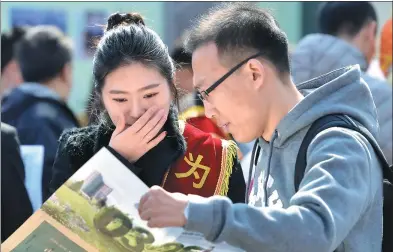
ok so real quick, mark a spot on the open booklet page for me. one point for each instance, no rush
(96, 210)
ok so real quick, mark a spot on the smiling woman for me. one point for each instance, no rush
(148, 88)
(138, 122)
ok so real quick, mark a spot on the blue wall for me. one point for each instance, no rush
(288, 15)
(82, 67)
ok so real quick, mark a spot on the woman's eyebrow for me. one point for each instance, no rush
(115, 91)
(151, 86)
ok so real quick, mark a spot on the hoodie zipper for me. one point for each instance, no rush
(266, 178)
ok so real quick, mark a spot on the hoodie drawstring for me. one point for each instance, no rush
(253, 162)
(268, 166)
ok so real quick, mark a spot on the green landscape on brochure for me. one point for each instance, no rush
(46, 238)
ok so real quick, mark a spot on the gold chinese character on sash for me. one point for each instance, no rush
(193, 171)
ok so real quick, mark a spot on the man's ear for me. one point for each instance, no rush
(13, 70)
(256, 72)
(371, 30)
(66, 73)
(12, 66)
(370, 37)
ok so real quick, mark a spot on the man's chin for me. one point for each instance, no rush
(241, 138)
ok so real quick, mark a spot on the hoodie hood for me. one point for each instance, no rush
(339, 92)
(318, 54)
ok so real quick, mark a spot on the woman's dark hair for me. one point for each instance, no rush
(126, 41)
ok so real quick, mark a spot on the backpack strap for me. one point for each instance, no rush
(342, 121)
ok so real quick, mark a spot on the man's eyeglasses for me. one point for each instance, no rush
(205, 93)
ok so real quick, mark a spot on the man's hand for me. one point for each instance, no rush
(163, 209)
(133, 142)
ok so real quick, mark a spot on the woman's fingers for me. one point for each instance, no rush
(153, 143)
(153, 132)
(120, 125)
(141, 122)
(152, 124)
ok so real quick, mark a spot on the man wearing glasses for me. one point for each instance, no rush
(241, 71)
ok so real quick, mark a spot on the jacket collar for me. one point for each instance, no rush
(39, 90)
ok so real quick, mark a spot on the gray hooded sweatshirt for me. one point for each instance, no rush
(318, 54)
(339, 202)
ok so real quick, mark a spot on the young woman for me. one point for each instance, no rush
(135, 92)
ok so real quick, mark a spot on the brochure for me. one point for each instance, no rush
(96, 210)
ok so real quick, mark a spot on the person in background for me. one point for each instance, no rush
(348, 37)
(191, 106)
(136, 96)
(16, 207)
(241, 69)
(385, 50)
(37, 108)
(183, 77)
(11, 76)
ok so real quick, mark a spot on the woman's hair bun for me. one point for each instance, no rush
(117, 19)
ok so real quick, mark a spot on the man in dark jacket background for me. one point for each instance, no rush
(37, 108)
(15, 202)
(348, 35)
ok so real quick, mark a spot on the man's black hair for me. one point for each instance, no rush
(8, 41)
(240, 30)
(42, 53)
(348, 18)
(181, 56)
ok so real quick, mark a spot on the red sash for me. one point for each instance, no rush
(195, 116)
(206, 167)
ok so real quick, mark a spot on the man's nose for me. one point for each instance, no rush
(209, 110)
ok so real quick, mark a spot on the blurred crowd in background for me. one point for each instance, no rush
(46, 75)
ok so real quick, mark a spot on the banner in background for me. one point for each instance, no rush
(93, 28)
(24, 16)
